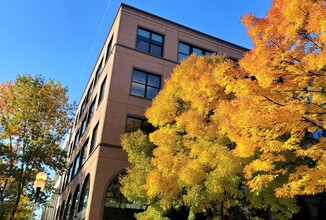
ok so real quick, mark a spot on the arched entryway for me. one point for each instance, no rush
(116, 206)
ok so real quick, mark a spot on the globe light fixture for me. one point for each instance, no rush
(39, 185)
(39, 182)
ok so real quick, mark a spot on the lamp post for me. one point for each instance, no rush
(39, 185)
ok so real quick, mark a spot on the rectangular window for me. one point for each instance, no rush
(133, 124)
(89, 92)
(149, 42)
(83, 106)
(98, 71)
(145, 84)
(76, 164)
(102, 91)
(70, 172)
(83, 153)
(91, 109)
(185, 50)
(93, 142)
(108, 50)
(83, 126)
(76, 138)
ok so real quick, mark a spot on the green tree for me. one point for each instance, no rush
(34, 117)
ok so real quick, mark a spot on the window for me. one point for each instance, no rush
(69, 174)
(98, 71)
(62, 210)
(76, 164)
(67, 210)
(145, 84)
(83, 153)
(76, 138)
(115, 199)
(185, 50)
(84, 195)
(84, 125)
(133, 124)
(91, 109)
(93, 142)
(90, 90)
(149, 42)
(102, 91)
(73, 209)
(108, 50)
(83, 106)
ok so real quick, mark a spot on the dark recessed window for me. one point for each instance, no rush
(76, 138)
(98, 71)
(102, 90)
(69, 175)
(149, 42)
(84, 195)
(62, 210)
(91, 109)
(83, 153)
(89, 92)
(115, 199)
(93, 142)
(67, 210)
(145, 84)
(77, 164)
(185, 50)
(73, 209)
(134, 124)
(83, 126)
(108, 50)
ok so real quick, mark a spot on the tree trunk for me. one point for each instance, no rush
(14, 209)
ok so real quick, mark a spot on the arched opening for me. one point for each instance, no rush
(83, 199)
(73, 209)
(116, 206)
(67, 209)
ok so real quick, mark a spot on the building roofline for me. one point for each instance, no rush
(183, 26)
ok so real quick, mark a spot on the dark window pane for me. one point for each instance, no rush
(184, 48)
(154, 80)
(208, 53)
(138, 76)
(133, 124)
(151, 92)
(138, 89)
(102, 90)
(143, 33)
(93, 142)
(181, 57)
(108, 50)
(156, 50)
(197, 51)
(157, 39)
(142, 46)
(84, 153)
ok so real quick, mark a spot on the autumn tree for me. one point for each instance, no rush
(187, 163)
(255, 130)
(34, 117)
(281, 95)
(287, 99)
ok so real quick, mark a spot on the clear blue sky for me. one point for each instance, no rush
(61, 39)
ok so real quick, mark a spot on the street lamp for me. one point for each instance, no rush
(39, 185)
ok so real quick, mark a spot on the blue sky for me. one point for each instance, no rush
(61, 39)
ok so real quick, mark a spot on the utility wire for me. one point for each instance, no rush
(98, 31)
